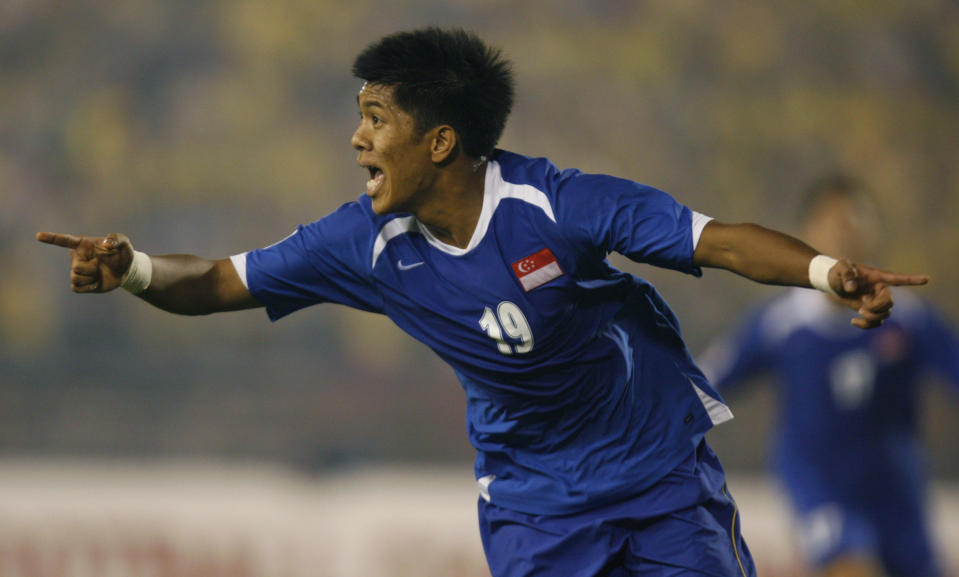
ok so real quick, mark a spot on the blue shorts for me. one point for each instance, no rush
(885, 522)
(658, 532)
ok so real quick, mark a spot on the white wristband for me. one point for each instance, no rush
(819, 268)
(138, 276)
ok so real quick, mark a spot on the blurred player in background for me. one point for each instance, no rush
(847, 449)
(586, 410)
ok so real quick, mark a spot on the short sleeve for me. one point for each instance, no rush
(325, 261)
(643, 223)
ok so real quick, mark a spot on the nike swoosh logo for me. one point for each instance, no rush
(402, 266)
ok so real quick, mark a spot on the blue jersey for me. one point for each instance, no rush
(848, 398)
(579, 388)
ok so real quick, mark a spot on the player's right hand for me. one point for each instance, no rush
(866, 290)
(97, 264)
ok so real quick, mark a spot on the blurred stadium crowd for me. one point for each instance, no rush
(215, 127)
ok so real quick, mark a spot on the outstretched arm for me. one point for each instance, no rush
(772, 257)
(183, 284)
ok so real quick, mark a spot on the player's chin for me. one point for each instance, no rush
(380, 205)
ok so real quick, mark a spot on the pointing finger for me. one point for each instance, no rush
(893, 278)
(904, 279)
(64, 240)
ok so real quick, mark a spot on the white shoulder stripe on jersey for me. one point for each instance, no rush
(239, 263)
(525, 192)
(496, 190)
(699, 223)
(391, 230)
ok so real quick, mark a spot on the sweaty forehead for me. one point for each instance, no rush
(375, 94)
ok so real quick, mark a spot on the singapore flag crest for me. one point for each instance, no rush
(537, 269)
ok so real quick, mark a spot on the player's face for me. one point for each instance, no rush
(390, 148)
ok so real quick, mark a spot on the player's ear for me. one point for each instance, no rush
(443, 144)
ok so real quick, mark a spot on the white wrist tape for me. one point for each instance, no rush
(819, 268)
(138, 276)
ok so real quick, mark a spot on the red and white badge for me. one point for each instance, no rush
(537, 269)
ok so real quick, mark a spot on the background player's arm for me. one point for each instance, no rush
(735, 358)
(771, 257)
(182, 284)
(938, 344)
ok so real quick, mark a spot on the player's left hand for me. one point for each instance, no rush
(866, 290)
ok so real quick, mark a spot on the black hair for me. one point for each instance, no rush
(837, 185)
(444, 77)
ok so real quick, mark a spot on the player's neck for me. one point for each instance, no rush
(454, 208)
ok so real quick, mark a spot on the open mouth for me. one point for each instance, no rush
(375, 182)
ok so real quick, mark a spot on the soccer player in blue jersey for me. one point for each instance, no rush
(586, 410)
(847, 449)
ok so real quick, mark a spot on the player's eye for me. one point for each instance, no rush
(374, 118)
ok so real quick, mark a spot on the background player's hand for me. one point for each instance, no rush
(866, 290)
(97, 264)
